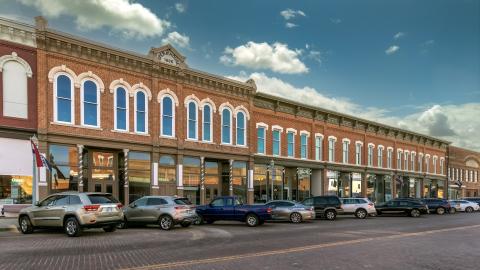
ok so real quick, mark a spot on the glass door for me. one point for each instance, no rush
(103, 172)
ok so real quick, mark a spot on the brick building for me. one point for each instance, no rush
(18, 110)
(131, 124)
(463, 171)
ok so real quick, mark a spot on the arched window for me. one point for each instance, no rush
(226, 126)
(90, 107)
(141, 112)
(192, 121)
(15, 94)
(241, 128)
(207, 123)
(168, 117)
(121, 109)
(64, 106)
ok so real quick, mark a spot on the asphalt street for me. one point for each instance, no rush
(428, 242)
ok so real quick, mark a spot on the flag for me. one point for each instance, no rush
(46, 163)
(36, 154)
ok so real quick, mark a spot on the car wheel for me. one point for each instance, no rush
(296, 218)
(166, 222)
(330, 215)
(415, 213)
(123, 224)
(361, 213)
(199, 220)
(469, 209)
(453, 210)
(186, 224)
(252, 220)
(110, 228)
(72, 227)
(25, 225)
(440, 211)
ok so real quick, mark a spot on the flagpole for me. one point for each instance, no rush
(34, 178)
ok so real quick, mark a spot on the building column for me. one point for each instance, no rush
(155, 189)
(364, 184)
(394, 186)
(230, 175)
(202, 180)
(325, 182)
(80, 168)
(126, 192)
(180, 175)
(250, 187)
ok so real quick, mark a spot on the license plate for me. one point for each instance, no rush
(107, 209)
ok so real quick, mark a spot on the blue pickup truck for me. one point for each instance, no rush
(231, 208)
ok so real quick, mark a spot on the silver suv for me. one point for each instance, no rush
(166, 211)
(73, 211)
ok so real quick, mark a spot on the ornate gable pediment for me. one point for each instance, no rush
(167, 54)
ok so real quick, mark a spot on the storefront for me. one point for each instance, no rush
(344, 184)
(379, 187)
(433, 188)
(16, 171)
(408, 187)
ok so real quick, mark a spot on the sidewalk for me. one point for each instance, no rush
(8, 224)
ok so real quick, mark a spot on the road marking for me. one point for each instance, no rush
(295, 249)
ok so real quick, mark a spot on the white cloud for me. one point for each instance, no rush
(392, 49)
(177, 40)
(290, 13)
(276, 57)
(122, 16)
(181, 8)
(290, 25)
(458, 124)
(315, 55)
(399, 35)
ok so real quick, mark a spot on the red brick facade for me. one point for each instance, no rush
(464, 169)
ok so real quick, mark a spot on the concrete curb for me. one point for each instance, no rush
(11, 228)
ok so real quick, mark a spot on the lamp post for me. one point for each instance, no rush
(272, 169)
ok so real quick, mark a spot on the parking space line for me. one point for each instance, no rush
(295, 249)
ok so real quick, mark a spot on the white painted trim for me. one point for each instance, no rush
(155, 174)
(242, 108)
(52, 74)
(174, 101)
(226, 104)
(250, 180)
(189, 98)
(72, 98)
(261, 124)
(119, 82)
(406, 151)
(169, 92)
(210, 102)
(211, 122)
(319, 135)
(264, 139)
(279, 140)
(187, 105)
(221, 123)
(304, 132)
(381, 147)
(332, 138)
(420, 154)
(427, 155)
(346, 140)
(371, 144)
(359, 142)
(180, 176)
(135, 110)
(399, 150)
(92, 76)
(245, 119)
(277, 127)
(292, 130)
(141, 87)
(82, 112)
(14, 57)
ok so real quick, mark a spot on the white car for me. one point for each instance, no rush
(464, 205)
(360, 207)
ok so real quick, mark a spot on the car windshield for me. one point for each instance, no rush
(182, 201)
(102, 198)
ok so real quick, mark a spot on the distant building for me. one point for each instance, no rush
(463, 170)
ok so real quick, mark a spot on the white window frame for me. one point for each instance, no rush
(318, 146)
(307, 136)
(72, 98)
(370, 154)
(412, 160)
(345, 150)
(358, 152)
(434, 163)
(82, 109)
(28, 74)
(221, 126)
(331, 148)
(196, 119)
(279, 130)
(135, 111)
(389, 157)
(244, 128)
(420, 162)
(427, 163)
(127, 111)
(399, 159)
(174, 107)
(265, 128)
(406, 155)
(294, 132)
(380, 156)
(211, 122)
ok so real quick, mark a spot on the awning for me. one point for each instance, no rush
(15, 157)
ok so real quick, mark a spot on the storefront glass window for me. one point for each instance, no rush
(240, 179)
(427, 187)
(332, 177)
(15, 189)
(440, 189)
(167, 180)
(64, 161)
(191, 178)
(260, 184)
(304, 183)
(402, 186)
(139, 174)
(379, 188)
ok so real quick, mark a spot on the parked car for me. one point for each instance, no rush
(465, 206)
(325, 206)
(292, 211)
(166, 211)
(413, 208)
(74, 212)
(360, 207)
(436, 205)
(232, 208)
(473, 199)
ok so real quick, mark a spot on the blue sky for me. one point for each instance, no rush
(412, 64)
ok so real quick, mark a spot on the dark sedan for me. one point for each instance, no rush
(439, 206)
(407, 207)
